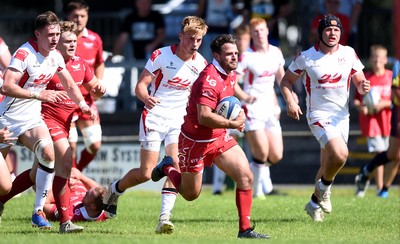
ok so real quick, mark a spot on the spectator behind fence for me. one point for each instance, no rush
(217, 15)
(144, 27)
(375, 123)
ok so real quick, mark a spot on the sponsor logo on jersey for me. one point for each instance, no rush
(88, 45)
(155, 54)
(170, 66)
(179, 82)
(76, 67)
(327, 78)
(43, 79)
(21, 54)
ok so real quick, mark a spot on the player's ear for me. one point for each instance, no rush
(36, 34)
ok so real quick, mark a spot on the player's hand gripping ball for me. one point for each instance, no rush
(229, 107)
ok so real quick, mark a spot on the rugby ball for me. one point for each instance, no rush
(371, 99)
(229, 107)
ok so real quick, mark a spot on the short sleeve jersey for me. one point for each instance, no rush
(326, 78)
(378, 124)
(61, 111)
(173, 80)
(90, 47)
(212, 85)
(37, 72)
(77, 210)
(3, 48)
(259, 72)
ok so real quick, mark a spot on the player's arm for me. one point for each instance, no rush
(361, 83)
(99, 71)
(141, 89)
(95, 88)
(5, 58)
(74, 92)
(207, 117)
(242, 95)
(292, 107)
(88, 182)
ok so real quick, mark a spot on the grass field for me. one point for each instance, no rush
(212, 219)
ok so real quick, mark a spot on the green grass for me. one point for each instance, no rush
(213, 219)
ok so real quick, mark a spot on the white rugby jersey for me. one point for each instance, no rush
(259, 71)
(326, 78)
(3, 48)
(173, 80)
(37, 72)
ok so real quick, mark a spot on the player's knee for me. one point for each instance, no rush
(5, 187)
(274, 159)
(190, 196)
(44, 152)
(92, 138)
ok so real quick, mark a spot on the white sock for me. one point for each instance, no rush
(218, 179)
(44, 182)
(168, 199)
(114, 189)
(323, 187)
(257, 170)
(266, 181)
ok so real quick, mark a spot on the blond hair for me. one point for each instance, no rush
(376, 48)
(194, 25)
(66, 26)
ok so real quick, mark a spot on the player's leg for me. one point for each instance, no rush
(5, 177)
(169, 192)
(218, 180)
(91, 133)
(275, 155)
(61, 190)
(259, 147)
(73, 141)
(391, 168)
(234, 163)
(39, 141)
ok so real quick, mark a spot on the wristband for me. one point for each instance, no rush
(35, 94)
(82, 104)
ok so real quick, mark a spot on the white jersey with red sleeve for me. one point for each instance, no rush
(173, 80)
(3, 48)
(37, 71)
(259, 71)
(326, 78)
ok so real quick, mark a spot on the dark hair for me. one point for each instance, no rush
(74, 5)
(326, 21)
(220, 40)
(45, 19)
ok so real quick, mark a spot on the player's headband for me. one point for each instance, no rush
(326, 21)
